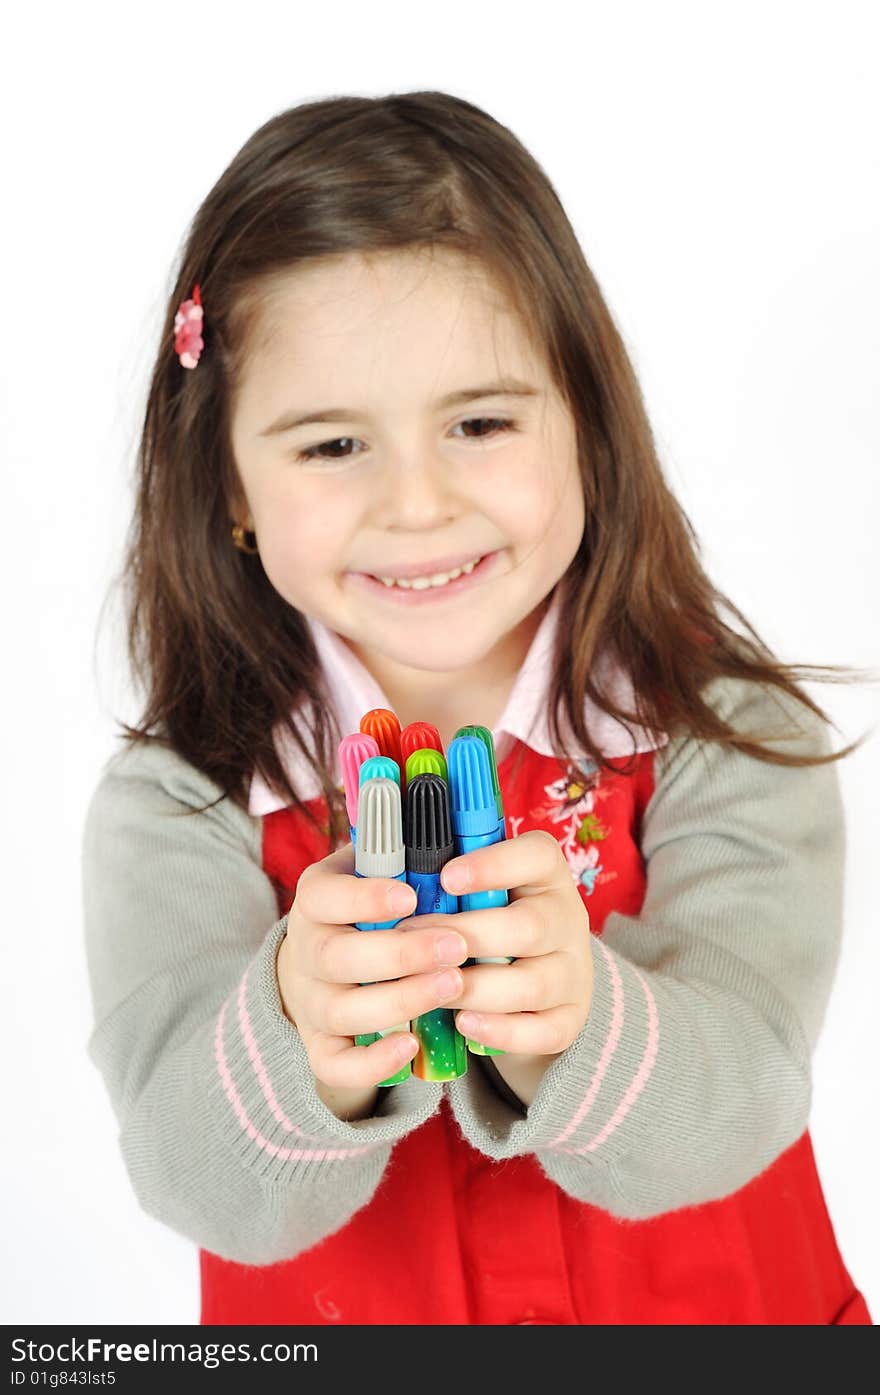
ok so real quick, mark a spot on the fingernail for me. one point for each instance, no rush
(449, 949)
(456, 876)
(447, 985)
(469, 1022)
(406, 1046)
(402, 900)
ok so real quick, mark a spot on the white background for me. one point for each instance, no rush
(720, 166)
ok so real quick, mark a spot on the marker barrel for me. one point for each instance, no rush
(477, 818)
(480, 901)
(442, 1054)
(367, 1038)
(379, 852)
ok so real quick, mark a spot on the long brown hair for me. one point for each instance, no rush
(223, 659)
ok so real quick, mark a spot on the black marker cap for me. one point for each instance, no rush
(428, 839)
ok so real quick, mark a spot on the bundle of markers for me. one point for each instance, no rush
(411, 809)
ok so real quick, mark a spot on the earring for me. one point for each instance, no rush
(240, 537)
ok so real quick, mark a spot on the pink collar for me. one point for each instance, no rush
(353, 691)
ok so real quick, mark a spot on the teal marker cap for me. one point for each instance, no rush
(379, 768)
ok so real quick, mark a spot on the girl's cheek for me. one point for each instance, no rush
(293, 546)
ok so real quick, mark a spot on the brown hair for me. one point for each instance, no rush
(223, 658)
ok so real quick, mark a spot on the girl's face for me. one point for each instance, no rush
(390, 476)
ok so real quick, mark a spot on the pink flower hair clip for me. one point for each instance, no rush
(188, 341)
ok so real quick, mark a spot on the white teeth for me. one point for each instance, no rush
(421, 583)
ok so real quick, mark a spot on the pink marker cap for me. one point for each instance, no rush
(353, 751)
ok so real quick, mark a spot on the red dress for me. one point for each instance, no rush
(765, 1255)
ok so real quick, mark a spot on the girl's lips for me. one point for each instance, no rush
(427, 595)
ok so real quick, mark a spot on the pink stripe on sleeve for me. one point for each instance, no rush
(608, 1050)
(286, 1154)
(256, 1060)
(639, 1080)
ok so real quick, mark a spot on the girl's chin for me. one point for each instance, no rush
(428, 645)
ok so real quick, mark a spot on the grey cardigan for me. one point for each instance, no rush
(723, 979)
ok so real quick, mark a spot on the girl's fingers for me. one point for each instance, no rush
(521, 929)
(344, 955)
(328, 893)
(341, 1065)
(532, 862)
(350, 1011)
(528, 1034)
(526, 985)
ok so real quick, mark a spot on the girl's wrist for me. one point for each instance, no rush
(522, 1074)
(348, 1105)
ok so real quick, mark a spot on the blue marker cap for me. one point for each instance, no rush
(474, 811)
(485, 736)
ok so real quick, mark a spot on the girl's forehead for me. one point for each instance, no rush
(349, 293)
(398, 324)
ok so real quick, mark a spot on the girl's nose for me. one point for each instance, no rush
(417, 491)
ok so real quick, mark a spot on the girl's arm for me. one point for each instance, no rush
(224, 1135)
(692, 1073)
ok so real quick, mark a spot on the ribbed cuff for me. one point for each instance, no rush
(263, 1089)
(591, 1101)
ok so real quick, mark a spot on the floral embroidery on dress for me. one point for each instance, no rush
(572, 799)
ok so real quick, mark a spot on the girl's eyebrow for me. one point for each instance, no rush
(507, 387)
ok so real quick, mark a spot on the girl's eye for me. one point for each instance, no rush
(497, 424)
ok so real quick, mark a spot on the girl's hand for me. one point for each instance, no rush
(323, 960)
(536, 1006)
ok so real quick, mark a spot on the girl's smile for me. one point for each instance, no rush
(430, 586)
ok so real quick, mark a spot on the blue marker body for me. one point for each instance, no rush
(479, 900)
(429, 844)
(438, 1058)
(367, 1038)
(380, 853)
(476, 821)
(433, 899)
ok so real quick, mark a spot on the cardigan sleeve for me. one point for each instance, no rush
(692, 1073)
(223, 1134)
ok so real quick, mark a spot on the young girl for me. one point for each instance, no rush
(395, 455)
